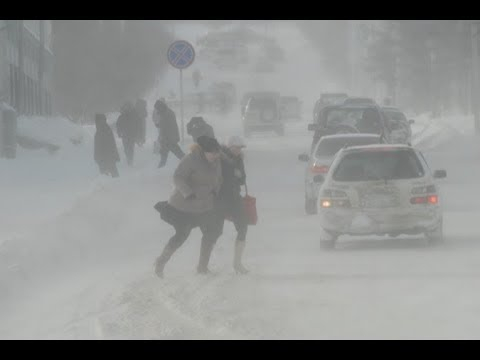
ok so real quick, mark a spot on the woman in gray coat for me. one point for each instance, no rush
(197, 180)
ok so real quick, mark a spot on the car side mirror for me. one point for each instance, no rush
(411, 121)
(312, 127)
(303, 157)
(440, 174)
(318, 179)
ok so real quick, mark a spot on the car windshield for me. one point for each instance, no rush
(330, 146)
(337, 117)
(379, 165)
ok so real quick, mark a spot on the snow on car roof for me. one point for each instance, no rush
(343, 136)
(378, 147)
(390, 108)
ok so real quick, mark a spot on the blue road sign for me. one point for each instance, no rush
(181, 54)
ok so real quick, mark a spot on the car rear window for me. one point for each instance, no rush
(261, 104)
(330, 146)
(379, 165)
(359, 101)
(333, 99)
(366, 120)
(396, 116)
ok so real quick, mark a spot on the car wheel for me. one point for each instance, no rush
(328, 241)
(310, 206)
(436, 235)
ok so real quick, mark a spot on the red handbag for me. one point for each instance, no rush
(250, 204)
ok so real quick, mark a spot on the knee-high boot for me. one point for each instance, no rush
(237, 257)
(162, 260)
(205, 252)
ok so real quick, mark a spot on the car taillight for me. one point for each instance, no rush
(425, 195)
(334, 198)
(319, 169)
(418, 200)
(326, 203)
(329, 203)
(430, 199)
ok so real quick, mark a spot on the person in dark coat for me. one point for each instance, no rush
(230, 202)
(105, 148)
(128, 129)
(141, 109)
(168, 137)
(197, 126)
(197, 180)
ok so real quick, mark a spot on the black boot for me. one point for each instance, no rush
(163, 259)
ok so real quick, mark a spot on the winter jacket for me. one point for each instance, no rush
(166, 122)
(105, 148)
(129, 125)
(233, 174)
(197, 182)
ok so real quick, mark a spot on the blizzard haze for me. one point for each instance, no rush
(77, 248)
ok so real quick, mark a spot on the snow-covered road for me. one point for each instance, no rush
(88, 273)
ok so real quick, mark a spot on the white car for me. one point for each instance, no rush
(321, 158)
(380, 190)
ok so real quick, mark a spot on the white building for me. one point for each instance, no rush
(26, 65)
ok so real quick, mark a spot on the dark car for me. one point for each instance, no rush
(342, 119)
(328, 99)
(248, 95)
(359, 101)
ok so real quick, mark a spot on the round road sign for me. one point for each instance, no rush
(181, 54)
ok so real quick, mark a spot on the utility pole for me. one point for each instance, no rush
(352, 53)
(41, 66)
(475, 72)
(19, 88)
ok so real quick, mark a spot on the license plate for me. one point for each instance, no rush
(378, 201)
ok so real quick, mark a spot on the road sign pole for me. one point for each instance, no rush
(180, 55)
(181, 104)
